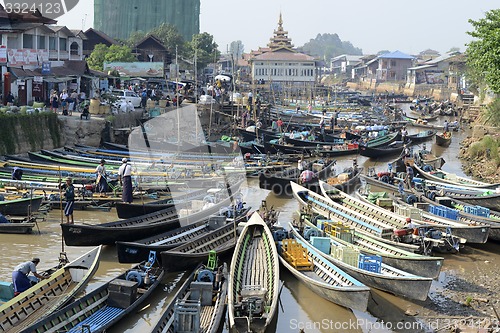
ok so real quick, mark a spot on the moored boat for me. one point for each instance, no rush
(47, 296)
(105, 306)
(321, 276)
(254, 278)
(194, 305)
(443, 139)
(376, 273)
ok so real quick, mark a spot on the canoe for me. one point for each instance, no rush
(47, 296)
(186, 256)
(137, 251)
(380, 141)
(254, 278)
(421, 136)
(279, 182)
(105, 306)
(138, 227)
(127, 210)
(443, 139)
(380, 275)
(21, 206)
(493, 218)
(471, 233)
(471, 195)
(18, 225)
(439, 175)
(322, 277)
(195, 305)
(393, 148)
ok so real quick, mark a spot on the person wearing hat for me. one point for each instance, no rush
(20, 274)
(101, 182)
(125, 177)
(69, 195)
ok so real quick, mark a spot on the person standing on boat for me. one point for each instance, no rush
(20, 274)
(279, 123)
(69, 195)
(409, 175)
(125, 177)
(404, 134)
(101, 182)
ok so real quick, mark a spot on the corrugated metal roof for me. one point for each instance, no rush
(422, 67)
(395, 55)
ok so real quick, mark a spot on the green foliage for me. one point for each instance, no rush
(206, 49)
(170, 38)
(30, 128)
(135, 37)
(328, 46)
(492, 113)
(482, 53)
(114, 53)
(487, 147)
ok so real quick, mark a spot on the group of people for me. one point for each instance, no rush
(66, 101)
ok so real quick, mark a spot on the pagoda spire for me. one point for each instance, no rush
(280, 38)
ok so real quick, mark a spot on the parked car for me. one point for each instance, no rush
(128, 95)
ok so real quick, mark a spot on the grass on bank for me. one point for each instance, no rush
(487, 147)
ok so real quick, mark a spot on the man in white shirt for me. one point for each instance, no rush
(125, 177)
(20, 275)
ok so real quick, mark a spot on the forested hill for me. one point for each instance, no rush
(327, 46)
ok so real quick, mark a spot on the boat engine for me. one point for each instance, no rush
(249, 307)
(205, 275)
(310, 232)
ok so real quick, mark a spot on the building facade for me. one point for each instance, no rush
(119, 18)
(280, 62)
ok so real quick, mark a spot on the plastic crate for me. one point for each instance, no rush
(321, 243)
(371, 263)
(346, 254)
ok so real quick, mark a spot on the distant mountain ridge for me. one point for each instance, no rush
(327, 46)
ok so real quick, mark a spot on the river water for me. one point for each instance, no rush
(300, 308)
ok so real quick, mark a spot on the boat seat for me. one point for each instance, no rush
(97, 319)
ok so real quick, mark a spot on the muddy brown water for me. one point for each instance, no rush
(300, 307)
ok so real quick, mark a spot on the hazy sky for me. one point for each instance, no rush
(408, 26)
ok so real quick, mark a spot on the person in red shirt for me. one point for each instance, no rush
(280, 125)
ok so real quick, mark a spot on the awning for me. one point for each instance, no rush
(58, 79)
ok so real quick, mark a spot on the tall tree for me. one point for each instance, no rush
(236, 49)
(482, 53)
(327, 46)
(114, 53)
(171, 38)
(206, 49)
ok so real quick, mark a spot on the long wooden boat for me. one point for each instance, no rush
(421, 136)
(439, 175)
(393, 148)
(381, 140)
(139, 227)
(137, 251)
(324, 278)
(47, 296)
(476, 233)
(385, 278)
(254, 278)
(127, 210)
(418, 264)
(279, 182)
(194, 305)
(105, 306)
(186, 256)
(21, 206)
(471, 195)
(492, 219)
(443, 139)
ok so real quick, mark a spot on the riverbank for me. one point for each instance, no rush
(478, 156)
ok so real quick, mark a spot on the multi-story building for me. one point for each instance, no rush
(280, 63)
(119, 18)
(37, 56)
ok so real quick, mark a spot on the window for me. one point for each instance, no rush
(41, 42)
(12, 42)
(27, 41)
(63, 44)
(52, 43)
(393, 63)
